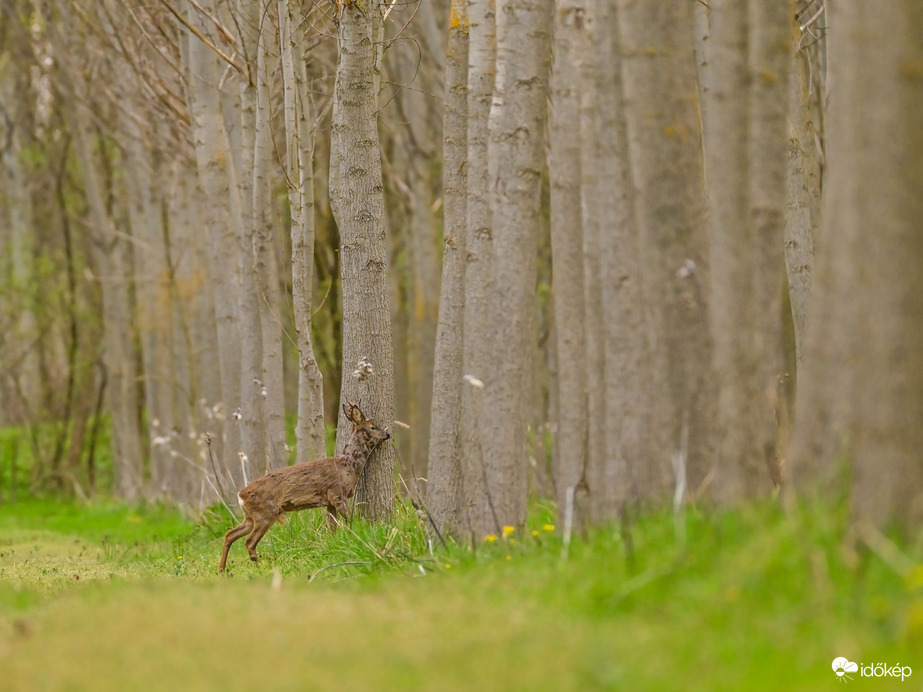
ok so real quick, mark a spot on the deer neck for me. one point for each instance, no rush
(356, 453)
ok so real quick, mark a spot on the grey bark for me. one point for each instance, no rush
(664, 139)
(565, 177)
(299, 123)
(357, 202)
(221, 223)
(516, 131)
(479, 255)
(860, 396)
(619, 475)
(746, 166)
(445, 483)
(253, 402)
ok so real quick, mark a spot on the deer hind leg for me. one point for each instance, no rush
(231, 536)
(265, 513)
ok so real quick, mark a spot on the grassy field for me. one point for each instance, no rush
(110, 597)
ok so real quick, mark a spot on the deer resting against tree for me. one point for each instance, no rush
(327, 482)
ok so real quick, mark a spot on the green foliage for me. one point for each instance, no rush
(750, 599)
(32, 461)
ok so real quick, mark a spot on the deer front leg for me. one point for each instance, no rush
(331, 518)
(336, 503)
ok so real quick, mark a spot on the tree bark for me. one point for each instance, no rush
(860, 397)
(221, 222)
(618, 475)
(299, 122)
(664, 140)
(565, 174)
(480, 514)
(357, 202)
(444, 489)
(516, 131)
(746, 176)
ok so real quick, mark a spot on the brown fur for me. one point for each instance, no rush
(327, 482)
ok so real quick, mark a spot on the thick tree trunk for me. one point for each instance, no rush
(860, 397)
(241, 114)
(112, 258)
(154, 317)
(299, 122)
(357, 202)
(417, 147)
(664, 138)
(516, 130)
(564, 169)
(618, 474)
(265, 266)
(480, 514)
(746, 177)
(444, 490)
(221, 223)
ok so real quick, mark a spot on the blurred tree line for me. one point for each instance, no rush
(560, 248)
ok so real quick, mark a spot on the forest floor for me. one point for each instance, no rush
(112, 597)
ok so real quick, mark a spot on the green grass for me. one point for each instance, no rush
(109, 597)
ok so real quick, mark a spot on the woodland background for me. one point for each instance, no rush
(623, 254)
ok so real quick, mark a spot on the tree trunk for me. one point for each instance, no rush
(299, 136)
(664, 139)
(860, 396)
(242, 115)
(444, 489)
(746, 178)
(516, 131)
(357, 203)
(617, 474)
(265, 266)
(417, 147)
(154, 318)
(480, 514)
(221, 225)
(564, 170)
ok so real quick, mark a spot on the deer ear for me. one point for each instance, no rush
(353, 413)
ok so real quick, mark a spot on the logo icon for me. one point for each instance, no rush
(842, 666)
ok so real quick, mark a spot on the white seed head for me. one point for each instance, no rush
(687, 270)
(474, 381)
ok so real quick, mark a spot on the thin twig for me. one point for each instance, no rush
(211, 458)
(813, 19)
(200, 35)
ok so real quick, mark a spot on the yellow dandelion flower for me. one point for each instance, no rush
(507, 530)
(448, 566)
(548, 527)
(509, 557)
(535, 532)
(490, 538)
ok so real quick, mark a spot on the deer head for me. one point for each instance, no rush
(364, 429)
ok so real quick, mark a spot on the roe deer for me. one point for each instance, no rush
(327, 482)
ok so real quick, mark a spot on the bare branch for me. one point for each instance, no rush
(229, 60)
